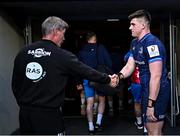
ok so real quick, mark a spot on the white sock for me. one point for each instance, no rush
(139, 120)
(82, 100)
(99, 119)
(145, 130)
(91, 126)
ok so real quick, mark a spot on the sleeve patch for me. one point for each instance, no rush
(153, 51)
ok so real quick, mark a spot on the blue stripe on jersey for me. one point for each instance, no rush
(155, 59)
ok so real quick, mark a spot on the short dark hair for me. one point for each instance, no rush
(90, 34)
(139, 14)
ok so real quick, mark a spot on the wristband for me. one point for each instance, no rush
(120, 75)
(151, 103)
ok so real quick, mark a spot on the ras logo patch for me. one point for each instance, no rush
(34, 71)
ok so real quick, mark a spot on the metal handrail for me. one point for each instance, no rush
(176, 93)
(172, 70)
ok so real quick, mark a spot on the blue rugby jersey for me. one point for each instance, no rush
(147, 50)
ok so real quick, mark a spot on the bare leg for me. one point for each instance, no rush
(95, 106)
(83, 106)
(101, 108)
(101, 105)
(137, 109)
(89, 110)
(154, 128)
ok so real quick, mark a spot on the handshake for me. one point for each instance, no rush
(115, 78)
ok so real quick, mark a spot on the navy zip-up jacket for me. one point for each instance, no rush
(93, 54)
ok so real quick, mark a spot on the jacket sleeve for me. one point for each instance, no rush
(78, 68)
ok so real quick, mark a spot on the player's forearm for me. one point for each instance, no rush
(126, 71)
(154, 86)
(155, 79)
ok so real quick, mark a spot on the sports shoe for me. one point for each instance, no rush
(139, 126)
(98, 127)
(145, 133)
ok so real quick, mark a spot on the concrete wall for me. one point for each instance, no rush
(10, 44)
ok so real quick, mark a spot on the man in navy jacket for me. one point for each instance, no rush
(94, 54)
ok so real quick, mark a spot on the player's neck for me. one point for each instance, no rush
(143, 34)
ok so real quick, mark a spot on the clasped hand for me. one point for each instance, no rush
(114, 80)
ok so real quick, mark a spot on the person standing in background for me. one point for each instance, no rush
(136, 91)
(93, 54)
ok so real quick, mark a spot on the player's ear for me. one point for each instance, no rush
(143, 25)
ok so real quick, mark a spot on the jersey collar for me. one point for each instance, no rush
(144, 37)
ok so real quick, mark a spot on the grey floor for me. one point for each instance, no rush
(120, 124)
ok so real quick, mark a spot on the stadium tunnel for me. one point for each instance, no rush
(108, 19)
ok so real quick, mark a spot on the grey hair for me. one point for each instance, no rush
(53, 23)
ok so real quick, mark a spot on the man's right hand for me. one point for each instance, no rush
(114, 80)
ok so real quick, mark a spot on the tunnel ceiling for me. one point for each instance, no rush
(88, 10)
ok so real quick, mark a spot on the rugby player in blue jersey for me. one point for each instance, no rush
(148, 53)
